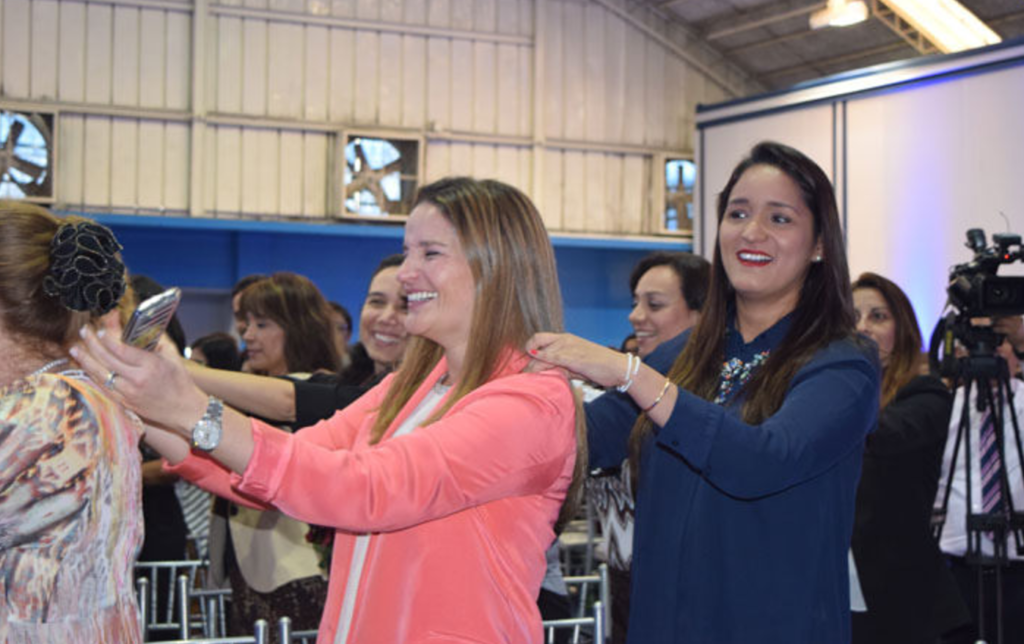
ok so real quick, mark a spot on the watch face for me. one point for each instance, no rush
(205, 435)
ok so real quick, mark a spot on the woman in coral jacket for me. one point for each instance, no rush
(444, 482)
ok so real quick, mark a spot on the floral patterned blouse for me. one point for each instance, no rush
(70, 513)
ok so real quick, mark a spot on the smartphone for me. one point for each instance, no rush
(149, 320)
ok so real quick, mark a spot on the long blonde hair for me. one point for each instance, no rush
(517, 292)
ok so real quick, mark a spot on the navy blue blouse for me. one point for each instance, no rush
(743, 530)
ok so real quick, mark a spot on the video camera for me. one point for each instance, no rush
(975, 291)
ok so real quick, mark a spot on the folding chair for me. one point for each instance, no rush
(157, 609)
(585, 630)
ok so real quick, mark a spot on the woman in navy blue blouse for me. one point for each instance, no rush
(749, 450)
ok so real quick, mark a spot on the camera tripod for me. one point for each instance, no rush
(987, 377)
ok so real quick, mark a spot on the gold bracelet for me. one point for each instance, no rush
(661, 395)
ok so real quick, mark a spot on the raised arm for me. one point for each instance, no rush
(270, 398)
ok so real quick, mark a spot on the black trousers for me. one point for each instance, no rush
(1013, 603)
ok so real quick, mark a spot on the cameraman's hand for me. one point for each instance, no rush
(1012, 326)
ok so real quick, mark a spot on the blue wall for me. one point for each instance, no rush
(213, 254)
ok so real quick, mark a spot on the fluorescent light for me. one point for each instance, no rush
(840, 13)
(947, 24)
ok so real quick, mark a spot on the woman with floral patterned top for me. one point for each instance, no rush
(70, 511)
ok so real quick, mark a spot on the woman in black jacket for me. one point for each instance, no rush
(911, 596)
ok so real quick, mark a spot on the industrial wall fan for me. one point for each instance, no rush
(26, 156)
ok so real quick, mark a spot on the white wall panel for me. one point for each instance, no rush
(414, 82)
(461, 114)
(124, 162)
(125, 81)
(595, 49)
(484, 161)
(343, 8)
(285, 57)
(152, 58)
(96, 175)
(509, 14)
(366, 79)
(152, 157)
(654, 103)
(342, 68)
(177, 147)
(613, 193)
(314, 175)
(509, 84)
(574, 198)
(485, 16)
(595, 210)
(439, 83)
(525, 92)
(250, 170)
(617, 108)
(389, 80)
(437, 161)
(484, 89)
(439, 13)
(635, 191)
(99, 28)
(316, 70)
(415, 12)
(254, 67)
(368, 9)
(553, 66)
(269, 172)
(636, 87)
(71, 161)
(71, 53)
(461, 159)
(229, 65)
(179, 60)
(507, 164)
(574, 114)
(290, 176)
(391, 10)
(228, 178)
(43, 60)
(461, 16)
(551, 208)
(16, 48)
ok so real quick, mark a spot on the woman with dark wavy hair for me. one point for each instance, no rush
(70, 482)
(443, 483)
(910, 593)
(748, 452)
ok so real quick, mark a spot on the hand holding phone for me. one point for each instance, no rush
(149, 320)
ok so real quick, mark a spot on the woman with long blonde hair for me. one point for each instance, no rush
(443, 483)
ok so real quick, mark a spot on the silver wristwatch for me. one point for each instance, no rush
(207, 432)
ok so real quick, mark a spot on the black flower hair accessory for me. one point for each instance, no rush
(85, 273)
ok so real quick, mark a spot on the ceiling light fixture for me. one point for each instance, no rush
(947, 24)
(839, 13)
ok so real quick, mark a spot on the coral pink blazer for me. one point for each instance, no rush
(460, 511)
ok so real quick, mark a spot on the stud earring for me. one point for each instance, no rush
(817, 259)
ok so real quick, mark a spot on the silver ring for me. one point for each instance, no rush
(109, 382)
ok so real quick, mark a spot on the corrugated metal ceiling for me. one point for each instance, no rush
(772, 41)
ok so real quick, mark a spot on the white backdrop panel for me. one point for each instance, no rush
(924, 165)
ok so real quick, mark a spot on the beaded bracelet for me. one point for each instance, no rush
(632, 368)
(657, 400)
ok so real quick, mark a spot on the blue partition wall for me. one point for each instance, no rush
(206, 257)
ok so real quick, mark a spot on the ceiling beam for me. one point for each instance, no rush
(902, 28)
(764, 22)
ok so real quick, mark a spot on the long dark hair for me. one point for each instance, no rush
(906, 350)
(824, 311)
